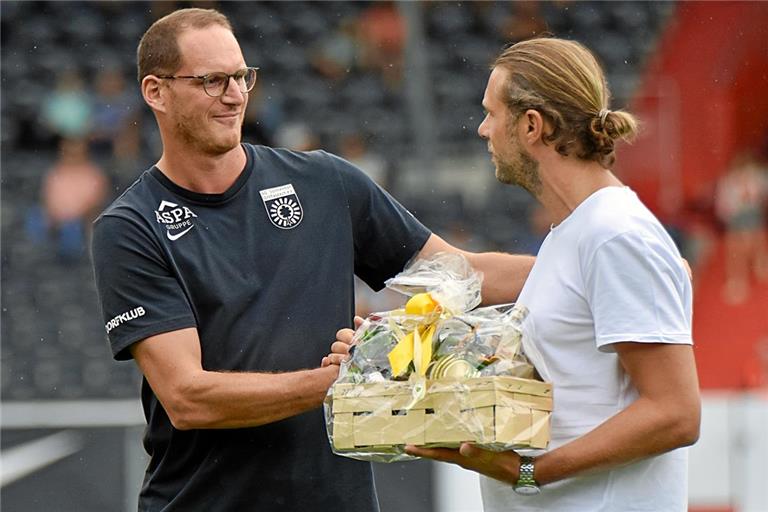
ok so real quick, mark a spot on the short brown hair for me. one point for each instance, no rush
(158, 52)
(562, 80)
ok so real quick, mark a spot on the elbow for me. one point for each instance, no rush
(181, 414)
(687, 427)
(184, 407)
(180, 420)
(690, 433)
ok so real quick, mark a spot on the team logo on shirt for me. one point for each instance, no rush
(178, 220)
(283, 206)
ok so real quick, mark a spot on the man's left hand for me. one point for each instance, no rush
(340, 348)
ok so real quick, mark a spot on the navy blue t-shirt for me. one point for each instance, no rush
(264, 271)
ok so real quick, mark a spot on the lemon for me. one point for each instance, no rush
(421, 304)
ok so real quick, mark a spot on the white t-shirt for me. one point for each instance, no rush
(608, 273)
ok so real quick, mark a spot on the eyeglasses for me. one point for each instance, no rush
(216, 84)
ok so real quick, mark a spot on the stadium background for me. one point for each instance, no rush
(396, 88)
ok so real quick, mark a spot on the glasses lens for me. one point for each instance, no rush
(249, 78)
(215, 84)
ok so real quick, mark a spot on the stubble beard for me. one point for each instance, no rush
(522, 171)
(189, 128)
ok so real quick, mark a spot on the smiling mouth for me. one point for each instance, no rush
(228, 119)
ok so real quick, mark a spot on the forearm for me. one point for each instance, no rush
(503, 275)
(209, 399)
(197, 398)
(642, 430)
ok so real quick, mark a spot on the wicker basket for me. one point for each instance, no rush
(497, 412)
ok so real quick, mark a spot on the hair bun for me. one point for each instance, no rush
(603, 114)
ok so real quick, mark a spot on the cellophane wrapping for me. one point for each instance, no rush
(438, 372)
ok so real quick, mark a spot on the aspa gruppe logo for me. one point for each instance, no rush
(178, 220)
(283, 206)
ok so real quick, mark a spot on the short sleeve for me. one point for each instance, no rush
(386, 235)
(638, 291)
(139, 295)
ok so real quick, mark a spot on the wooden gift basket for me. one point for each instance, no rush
(497, 412)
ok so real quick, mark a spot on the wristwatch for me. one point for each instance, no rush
(526, 485)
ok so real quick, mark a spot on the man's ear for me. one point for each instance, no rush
(154, 92)
(533, 126)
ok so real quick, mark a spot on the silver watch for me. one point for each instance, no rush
(526, 485)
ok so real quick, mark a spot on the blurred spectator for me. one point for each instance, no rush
(74, 191)
(381, 33)
(523, 22)
(740, 202)
(337, 54)
(262, 117)
(539, 225)
(68, 111)
(756, 367)
(353, 148)
(694, 226)
(116, 115)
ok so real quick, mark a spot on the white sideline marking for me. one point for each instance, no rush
(21, 460)
(71, 414)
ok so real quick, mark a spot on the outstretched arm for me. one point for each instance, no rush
(503, 279)
(503, 274)
(195, 398)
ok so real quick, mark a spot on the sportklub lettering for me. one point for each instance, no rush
(125, 317)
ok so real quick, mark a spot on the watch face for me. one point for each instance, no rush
(527, 490)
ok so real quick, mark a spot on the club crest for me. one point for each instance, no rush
(283, 206)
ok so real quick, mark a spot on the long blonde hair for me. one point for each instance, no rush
(562, 80)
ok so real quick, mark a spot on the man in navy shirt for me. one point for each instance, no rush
(225, 270)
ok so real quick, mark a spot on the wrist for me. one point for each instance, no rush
(329, 373)
(526, 484)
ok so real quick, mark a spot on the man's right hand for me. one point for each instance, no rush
(340, 347)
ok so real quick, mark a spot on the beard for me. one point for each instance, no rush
(192, 129)
(521, 170)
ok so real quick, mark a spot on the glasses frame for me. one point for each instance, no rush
(205, 77)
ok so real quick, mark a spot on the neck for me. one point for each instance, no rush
(201, 172)
(568, 181)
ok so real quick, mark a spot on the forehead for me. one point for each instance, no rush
(493, 91)
(213, 48)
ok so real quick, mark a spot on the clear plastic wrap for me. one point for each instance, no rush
(437, 372)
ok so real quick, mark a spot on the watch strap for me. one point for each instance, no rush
(526, 472)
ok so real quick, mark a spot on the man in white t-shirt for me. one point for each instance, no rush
(609, 300)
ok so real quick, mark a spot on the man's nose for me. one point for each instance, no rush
(482, 129)
(233, 94)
